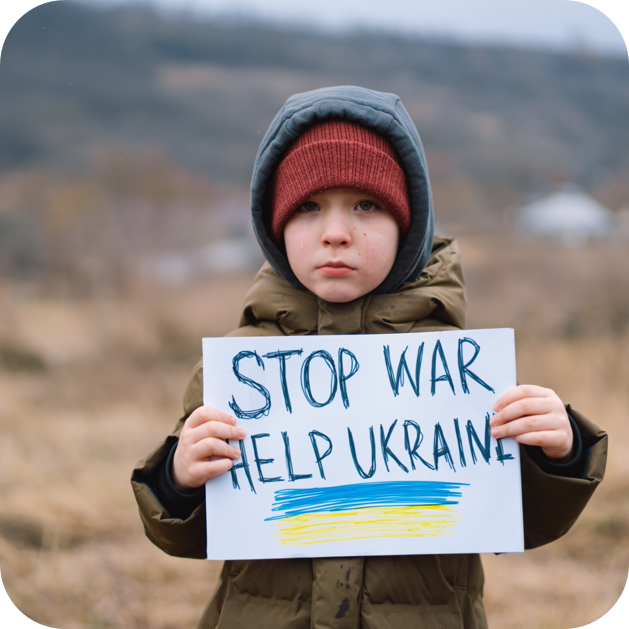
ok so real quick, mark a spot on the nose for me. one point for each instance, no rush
(336, 230)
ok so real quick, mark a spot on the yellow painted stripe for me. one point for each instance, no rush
(368, 523)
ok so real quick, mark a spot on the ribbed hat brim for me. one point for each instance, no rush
(338, 154)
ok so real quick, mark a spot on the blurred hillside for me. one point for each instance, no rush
(104, 229)
(127, 135)
(497, 123)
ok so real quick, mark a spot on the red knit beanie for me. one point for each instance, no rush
(338, 154)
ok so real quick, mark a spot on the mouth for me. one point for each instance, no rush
(336, 269)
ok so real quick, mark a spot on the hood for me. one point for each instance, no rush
(385, 114)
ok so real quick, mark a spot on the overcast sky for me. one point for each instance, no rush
(547, 23)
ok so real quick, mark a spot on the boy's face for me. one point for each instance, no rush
(341, 244)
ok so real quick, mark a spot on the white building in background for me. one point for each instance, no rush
(568, 215)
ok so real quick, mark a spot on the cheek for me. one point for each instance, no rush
(297, 244)
(381, 248)
(294, 239)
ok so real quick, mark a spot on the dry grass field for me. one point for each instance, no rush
(88, 387)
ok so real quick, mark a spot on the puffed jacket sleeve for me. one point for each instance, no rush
(181, 538)
(551, 503)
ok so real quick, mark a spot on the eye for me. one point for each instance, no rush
(366, 206)
(308, 206)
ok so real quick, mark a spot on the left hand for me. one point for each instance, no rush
(536, 417)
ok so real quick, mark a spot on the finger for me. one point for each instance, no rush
(206, 414)
(218, 430)
(522, 408)
(219, 466)
(554, 444)
(210, 447)
(204, 470)
(518, 393)
(521, 426)
(552, 433)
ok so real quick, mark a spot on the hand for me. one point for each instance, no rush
(202, 452)
(534, 416)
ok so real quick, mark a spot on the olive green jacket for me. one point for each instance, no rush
(419, 591)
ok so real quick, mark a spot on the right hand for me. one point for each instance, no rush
(202, 452)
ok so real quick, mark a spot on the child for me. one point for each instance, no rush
(342, 209)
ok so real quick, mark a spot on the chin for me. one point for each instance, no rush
(338, 295)
(340, 300)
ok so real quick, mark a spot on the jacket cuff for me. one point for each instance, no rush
(178, 504)
(175, 536)
(551, 504)
(573, 468)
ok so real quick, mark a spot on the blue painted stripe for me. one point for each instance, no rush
(293, 502)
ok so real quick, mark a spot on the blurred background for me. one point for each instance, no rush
(127, 139)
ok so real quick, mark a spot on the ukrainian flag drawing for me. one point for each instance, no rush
(366, 511)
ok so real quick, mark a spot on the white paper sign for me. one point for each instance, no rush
(364, 445)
